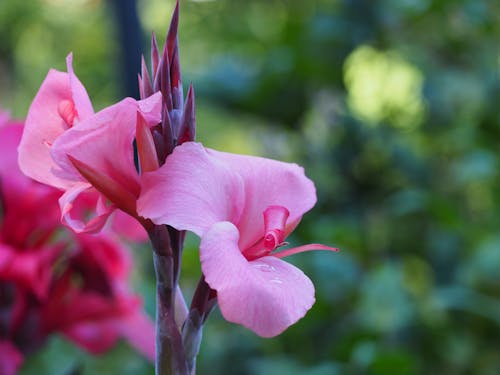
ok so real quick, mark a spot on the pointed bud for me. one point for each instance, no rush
(168, 137)
(113, 191)
(171, 42)
(147, 89)
(148, 158)
(172, 46)
(187, 129)
(141, 87)
(155, 55)
(164, 72)
(157, 77)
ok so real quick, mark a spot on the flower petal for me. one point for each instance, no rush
(44, 123)
(42, 127)
(266, 295)
(79, 95)
(104, 142)
(67, 203)
(268, 183)
(128, 227)
(191, 191)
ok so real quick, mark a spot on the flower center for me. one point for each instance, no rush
(67, 111)
(275, 218)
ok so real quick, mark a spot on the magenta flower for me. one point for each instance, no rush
(243, 208)
(14, 358)
(67, 146)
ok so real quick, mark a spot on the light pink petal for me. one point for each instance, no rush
(268, 183)
(266, 295)
(80, 224)
(42, 127)
(10, 358)
(105, 143)
(44, 123)
(191, 191)
(78, 93)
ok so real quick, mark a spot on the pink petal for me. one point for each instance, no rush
(104, 142)
(191, 191)
(77, 220)
(266, 295)
(268, 183)
(44, 124)
(128, 227)
(78, 93)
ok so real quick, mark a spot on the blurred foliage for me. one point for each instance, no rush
(391, 106)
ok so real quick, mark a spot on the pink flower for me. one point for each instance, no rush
(243, 208)
(39, 265)
(67, 146)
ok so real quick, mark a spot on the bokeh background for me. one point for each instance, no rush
(392, 106)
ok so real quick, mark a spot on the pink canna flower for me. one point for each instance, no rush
(67, 146)
(58, 281)
(243, 208)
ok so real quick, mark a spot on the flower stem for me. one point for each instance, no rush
(170, 356)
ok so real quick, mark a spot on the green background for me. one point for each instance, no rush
(392, 108)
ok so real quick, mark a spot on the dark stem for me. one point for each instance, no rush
(170, 356)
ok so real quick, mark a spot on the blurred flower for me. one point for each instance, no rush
(53, 281)
(243, 208)
(67, 146)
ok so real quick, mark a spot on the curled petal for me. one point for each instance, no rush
(67, 204)
(266, 295)
(191, 191)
